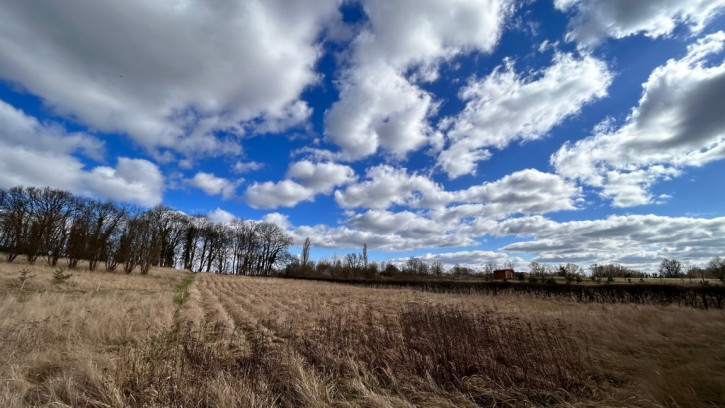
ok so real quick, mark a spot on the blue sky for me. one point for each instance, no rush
(466, 131)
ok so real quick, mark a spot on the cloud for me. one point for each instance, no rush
(133, 180)
(285, 193)
(526, 191)
(378, 107)
(505, 107)
(639, 241)
(19, 129)
(213, 185)
(386, 186)
(320, 177)
(325, 236)
(277, 219)
(243, 167)
(417, 32)
(595, 20)
(305, 179)
(406, 223)
(678, 123)
(443, 218)
(386, 239)
(221, 216)
(469, 259)
(41, 154)
(402, 43)
(169, 74)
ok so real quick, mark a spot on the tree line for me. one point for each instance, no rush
(53, 224)
(356, 266)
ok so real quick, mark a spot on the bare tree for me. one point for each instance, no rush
(353, 262)
(716, 268)
(365, 255)
(416, 267)
(304, 261)
(436, 268)
(245, 246)
(169, 227)
(272, 242)
(52, 223)
(172, 236)
(127, 253)
(538, 269)
(45, 218)
(670, 268)
(94, 222)
(16, 221)
(192, 237)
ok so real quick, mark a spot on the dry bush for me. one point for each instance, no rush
(479, 355)
(212, 367)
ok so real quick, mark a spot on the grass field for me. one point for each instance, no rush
(109, 339)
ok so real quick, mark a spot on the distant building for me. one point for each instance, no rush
(503, 274)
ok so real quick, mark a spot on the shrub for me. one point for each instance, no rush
(60, 277)
(478, 354)
(24, 277)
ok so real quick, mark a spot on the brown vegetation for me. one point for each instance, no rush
(60, 341)
(48, 224)
(110, 339)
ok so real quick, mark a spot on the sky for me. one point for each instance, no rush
(460, 131)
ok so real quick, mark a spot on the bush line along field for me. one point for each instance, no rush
(175, 339)
(702, 296)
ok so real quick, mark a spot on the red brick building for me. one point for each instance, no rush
(503, 274)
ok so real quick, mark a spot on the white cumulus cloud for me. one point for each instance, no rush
(527, 191)
(42, 154)
(678, 123)
(305, 179)
(320, 177)
(403, 42)
(169, 74)
(221, 216)
(639, 241)
(506, 106)
(475, 259)
(595, 20)
(213, 185)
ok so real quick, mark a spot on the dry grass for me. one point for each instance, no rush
(259, 342)
(60, 342)
(301, 343)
